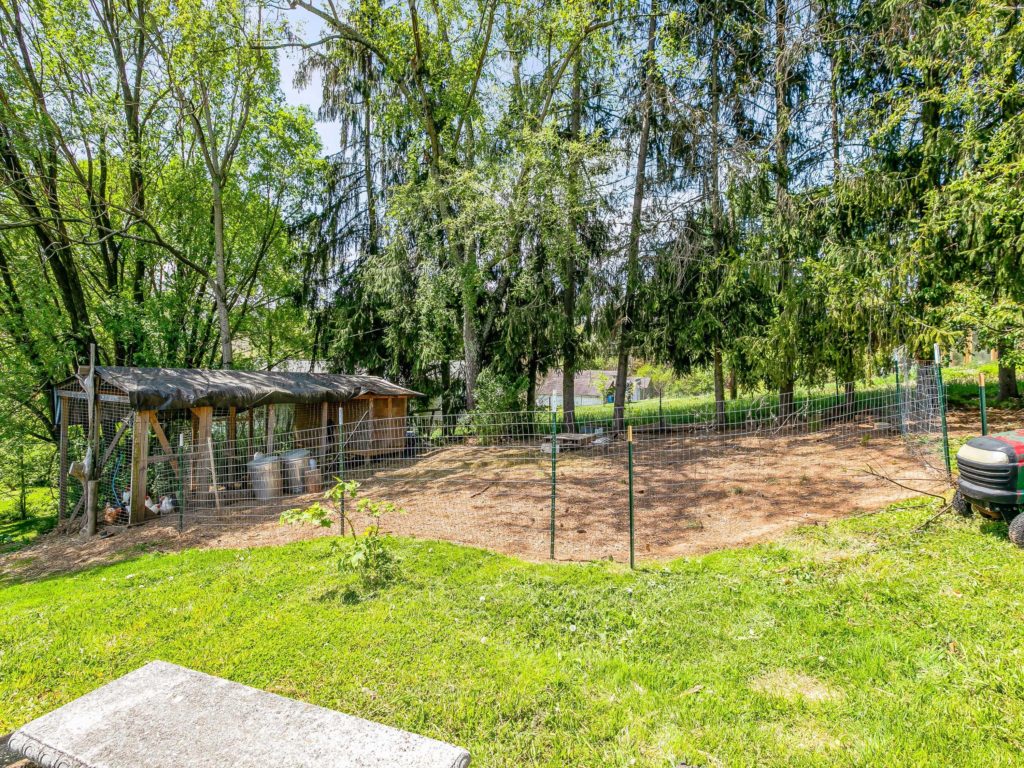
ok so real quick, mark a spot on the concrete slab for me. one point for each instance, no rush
(166, 716)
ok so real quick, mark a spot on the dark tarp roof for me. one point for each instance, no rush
(162, 389)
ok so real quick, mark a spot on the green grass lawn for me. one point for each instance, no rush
(17, 532)
(860, 643)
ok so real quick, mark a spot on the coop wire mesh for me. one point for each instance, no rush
(533, 483)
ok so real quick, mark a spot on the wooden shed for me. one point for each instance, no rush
(219, 419)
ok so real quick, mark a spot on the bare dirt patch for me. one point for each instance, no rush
(794, 686)
(967, 422)
(693, 493)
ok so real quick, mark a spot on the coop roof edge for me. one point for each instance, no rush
(176, 388)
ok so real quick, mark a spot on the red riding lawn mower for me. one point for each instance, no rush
(992, 480)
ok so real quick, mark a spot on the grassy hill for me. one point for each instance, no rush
(866, 642)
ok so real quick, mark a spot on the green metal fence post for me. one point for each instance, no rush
(942, 411)
(341, 467)
(629, 453)
(554, 468)
(181, 482)
(982, 403)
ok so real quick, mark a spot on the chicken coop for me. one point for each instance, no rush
(154, 439)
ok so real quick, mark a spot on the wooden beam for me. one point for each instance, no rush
(103, 398)
(165, 445)
(140, 463)
(122, 428)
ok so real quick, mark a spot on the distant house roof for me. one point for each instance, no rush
(586, 383)
(178, 388)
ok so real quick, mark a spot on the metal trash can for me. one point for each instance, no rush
(293, 467)
(265, 477)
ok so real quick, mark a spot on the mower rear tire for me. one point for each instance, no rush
(1016, 531)
(961, 505)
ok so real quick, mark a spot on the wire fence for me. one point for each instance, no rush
(531, 484)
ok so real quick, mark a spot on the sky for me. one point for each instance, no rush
(308, 28)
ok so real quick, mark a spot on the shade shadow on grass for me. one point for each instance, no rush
(16, 533)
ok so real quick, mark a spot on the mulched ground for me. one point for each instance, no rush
(693, 494)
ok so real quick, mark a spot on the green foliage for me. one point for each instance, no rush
(500, 393)
(24, 516)
(315, 514)
(825, 185)
(370, 556)
(320, 513)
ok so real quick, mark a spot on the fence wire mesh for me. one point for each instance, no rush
(528, 482)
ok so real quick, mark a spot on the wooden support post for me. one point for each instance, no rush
(63, 480)
(91, 485)
(271, 426)
(213, 472)
(392, 436)
(232, 442)
(193, 481)
(92, 495)
(325, 415)
(203, 431)
(140, 463)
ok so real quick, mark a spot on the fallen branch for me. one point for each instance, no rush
(882, 476)
(933, 518)
(474, 495)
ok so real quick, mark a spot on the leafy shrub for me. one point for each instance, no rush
(500, 402)
(371, 557)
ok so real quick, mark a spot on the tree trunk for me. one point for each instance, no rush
(531, 373)
(470, 343)
(446, 384)
(786, 401)
(22, 490)
(633, 251)
(833, 103)
(621, 374)
(569, 394)
(372, 234)
(56, 249)
(569, 288)
(849, 399)
(733, 385)
(1007, 376)
(782, 174)
(719, 391)
(220, 280)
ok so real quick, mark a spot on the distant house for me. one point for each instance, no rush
(591, 388)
